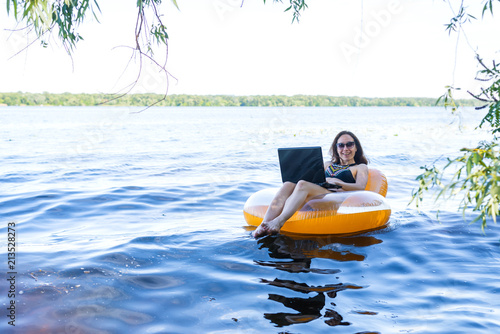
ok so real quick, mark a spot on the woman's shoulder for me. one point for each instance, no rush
(361, 167)
(327, 163)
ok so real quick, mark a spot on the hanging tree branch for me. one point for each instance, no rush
(476, 177)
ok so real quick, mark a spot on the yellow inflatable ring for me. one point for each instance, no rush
(335, 213)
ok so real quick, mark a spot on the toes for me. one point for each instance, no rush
(261, 231)
(264, 229)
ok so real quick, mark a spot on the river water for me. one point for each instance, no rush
(130, 221)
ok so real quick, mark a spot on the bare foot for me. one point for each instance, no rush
(266, 228)
(261, 231)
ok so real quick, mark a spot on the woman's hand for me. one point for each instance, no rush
(334, 180)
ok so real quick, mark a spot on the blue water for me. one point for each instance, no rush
(132, 222)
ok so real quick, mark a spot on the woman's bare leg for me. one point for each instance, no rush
(302, 192)
(278, 202)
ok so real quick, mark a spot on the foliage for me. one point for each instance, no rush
(66, 16)
(44, 16)
(460, 18)
(490, 96)
(66, 99)
(476, 175)
(296, 6)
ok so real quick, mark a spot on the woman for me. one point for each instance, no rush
(348, 169)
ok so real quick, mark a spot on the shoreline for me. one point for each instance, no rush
(183, 100)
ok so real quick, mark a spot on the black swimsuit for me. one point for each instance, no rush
(343, 173)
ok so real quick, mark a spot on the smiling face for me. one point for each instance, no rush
(346, 148)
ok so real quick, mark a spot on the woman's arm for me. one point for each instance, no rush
(360, 173)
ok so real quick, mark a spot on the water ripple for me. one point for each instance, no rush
(137, 235)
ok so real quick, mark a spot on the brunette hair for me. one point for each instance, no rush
(359, 157)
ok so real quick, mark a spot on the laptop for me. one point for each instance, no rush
(303, 163)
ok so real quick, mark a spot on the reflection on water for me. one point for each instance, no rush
(301, 249)
(295, 255)
(309, 308)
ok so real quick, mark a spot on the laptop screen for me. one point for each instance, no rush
(302, 163)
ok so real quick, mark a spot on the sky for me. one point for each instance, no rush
(392, 48)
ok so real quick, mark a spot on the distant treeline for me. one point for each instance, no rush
(66, 99)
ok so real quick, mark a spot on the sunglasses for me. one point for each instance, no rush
(349, 144)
